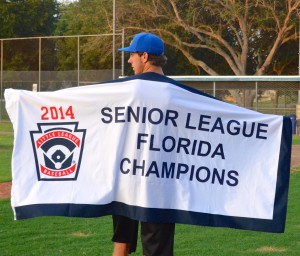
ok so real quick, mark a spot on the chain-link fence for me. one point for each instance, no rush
(267, 94)
(278, 95)
(52, 63)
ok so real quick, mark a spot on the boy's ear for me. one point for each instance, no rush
(145, 57)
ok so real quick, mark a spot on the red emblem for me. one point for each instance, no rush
(58, 150)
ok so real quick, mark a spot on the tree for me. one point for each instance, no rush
(27, 18)
(241, 32)
(86, 17)
(219, 37)
(243, 35)
(20, 18)
(286, 60)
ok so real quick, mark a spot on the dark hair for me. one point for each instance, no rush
(156, 60)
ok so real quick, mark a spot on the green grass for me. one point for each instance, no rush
(6, 141)
(5, 165)
(50, 236)
(6, 126)
(296, 140)
(73, 236)
(6, 146)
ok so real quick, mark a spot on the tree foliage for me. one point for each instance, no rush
(244, 36)
(86, 17)
(217, 37)
(25, 18)
(222, 37)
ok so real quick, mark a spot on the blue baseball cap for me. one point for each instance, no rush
(145, 42)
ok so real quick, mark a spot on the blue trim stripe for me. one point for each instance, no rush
(149, 215)
(275, 225)
(151, 76)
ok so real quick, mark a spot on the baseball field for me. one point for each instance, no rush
(75, 236)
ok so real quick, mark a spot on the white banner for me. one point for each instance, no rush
(151, 149)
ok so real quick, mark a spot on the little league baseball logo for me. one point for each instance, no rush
(57, 150)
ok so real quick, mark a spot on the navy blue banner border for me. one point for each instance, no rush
(276, 225)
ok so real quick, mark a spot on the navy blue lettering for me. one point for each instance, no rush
(218, 125)
(183, 143)
(201, 149)
(187, 124)
(135, 167)
(151, 118)
(130, 113)
(236, 130)
(168, 171)
(218, 151)
(194, 147)
(231, 176)
(171, 144)
(250, 134)
(218, 176)
(144, 115)
(260, 130)
(118, 114)
(181, 169)
(171, 118)
(192, 172)
(106, 112)
(151, 147)
(153, 170)
(141, 140)
(121, 165)
(205, 179)
(203, 122)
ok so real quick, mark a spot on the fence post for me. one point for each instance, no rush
(1, 81)
(40, 60)
(34, 87)
(123, 45)
(78, 61)
(214, 89)
(256, 94)
(114, 41)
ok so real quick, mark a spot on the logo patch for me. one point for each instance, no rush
(58, 150)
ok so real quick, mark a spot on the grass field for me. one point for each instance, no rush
(6, 145)
(296, 140)
(71, 236)
(5, 127)
(75, 236)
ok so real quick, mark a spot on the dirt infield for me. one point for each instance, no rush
(6, 186)
(5, 190)
(295, 156)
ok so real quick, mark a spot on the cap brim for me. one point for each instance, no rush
(126, 49)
